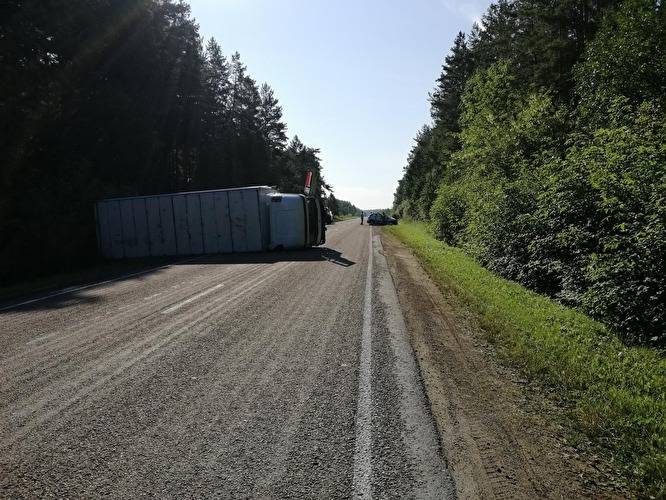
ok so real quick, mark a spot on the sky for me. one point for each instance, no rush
(352, 76)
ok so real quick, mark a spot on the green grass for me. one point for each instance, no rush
(616, 394)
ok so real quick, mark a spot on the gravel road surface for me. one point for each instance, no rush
(260, 375)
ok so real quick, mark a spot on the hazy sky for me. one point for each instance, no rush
(352, 76)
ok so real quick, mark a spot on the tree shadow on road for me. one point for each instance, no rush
(84, 292)
(316, 254)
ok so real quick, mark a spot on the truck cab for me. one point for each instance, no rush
(296, 221)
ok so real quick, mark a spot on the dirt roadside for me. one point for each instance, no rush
(500, 435)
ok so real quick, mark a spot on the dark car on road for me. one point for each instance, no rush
(377, 219)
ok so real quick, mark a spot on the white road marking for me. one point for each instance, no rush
(92, 285)
(362, 450)
(38, 339)
(70, 333)
(256, 284)
(191, 299)
(126, 362)
(250, 286)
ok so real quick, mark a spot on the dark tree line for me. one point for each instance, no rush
(341, 207)
(546, 156)
(105, 98)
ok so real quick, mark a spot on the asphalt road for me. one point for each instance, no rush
(262, 375)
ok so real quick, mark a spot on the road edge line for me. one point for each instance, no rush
(362, 487)
(71, 289)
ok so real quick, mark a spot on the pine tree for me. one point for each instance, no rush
(332, 204)
(214, 154)
(297, 160)
(99, 99)
(269, 116)
(445, 100)
(244, 97)
(216, 78)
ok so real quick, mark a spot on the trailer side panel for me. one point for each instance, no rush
(216, 221)
(180, 218)
(237, 216)
(141, 227)
(194, 224)
(223, 222)
(154, 226)
(252, 220)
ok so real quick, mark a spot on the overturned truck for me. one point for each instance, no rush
(247, 219)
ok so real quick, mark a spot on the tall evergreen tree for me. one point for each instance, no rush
(332, 204)
(445, 100)
(244, 97)
(627, 59)
(269, 115)
(297, 160)
(215, 152)
(91, 111)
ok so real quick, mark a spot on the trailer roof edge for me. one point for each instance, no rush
(242, 188)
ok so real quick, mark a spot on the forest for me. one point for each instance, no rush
(546, 156)
(342, 208)
(103, 98)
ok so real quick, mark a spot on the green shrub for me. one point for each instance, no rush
(448, 212)
(601, 219)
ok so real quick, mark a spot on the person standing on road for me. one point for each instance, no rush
(361, 217)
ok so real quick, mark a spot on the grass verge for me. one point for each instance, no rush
(616, 394)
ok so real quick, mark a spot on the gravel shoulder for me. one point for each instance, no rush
(501, 437)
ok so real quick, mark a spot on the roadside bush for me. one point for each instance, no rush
(507, 136)
(585, 227)
(598, 230)
(448, 212)
(562, 234)
(626, 164)
(626, 58)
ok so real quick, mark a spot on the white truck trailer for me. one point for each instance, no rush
(248, 219)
